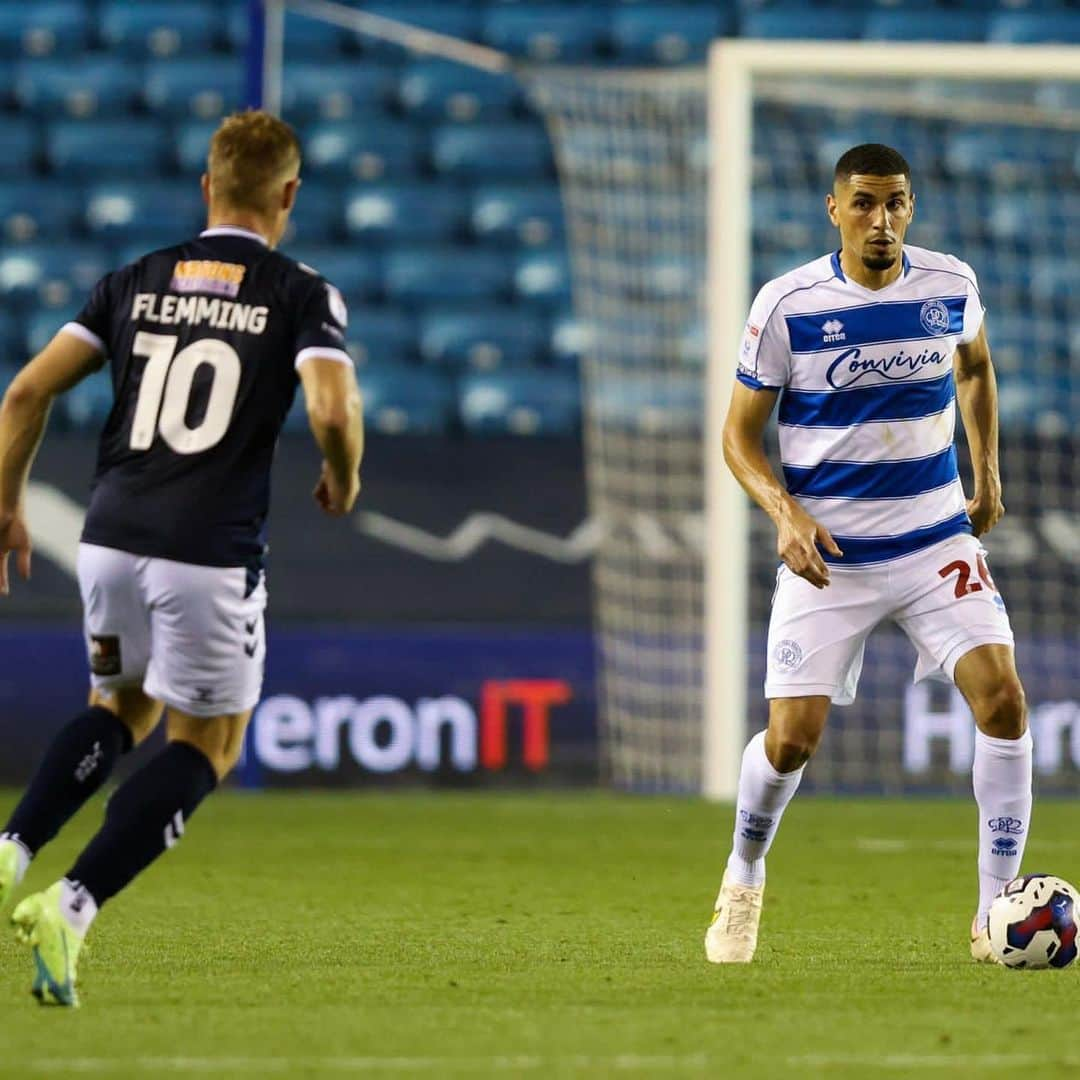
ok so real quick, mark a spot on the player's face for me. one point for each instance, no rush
(872, 214)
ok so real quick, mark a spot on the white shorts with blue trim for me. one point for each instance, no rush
(190, 636)
(942, 597)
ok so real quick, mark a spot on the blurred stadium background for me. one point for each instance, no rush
(447, 634)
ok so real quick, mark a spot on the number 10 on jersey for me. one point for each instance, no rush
(165, 392)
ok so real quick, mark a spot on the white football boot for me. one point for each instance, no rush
(732, 934)
(981, 952)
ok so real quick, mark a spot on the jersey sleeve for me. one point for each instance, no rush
(765, 353)
(973, 308)
(320, 325)
(92, 324)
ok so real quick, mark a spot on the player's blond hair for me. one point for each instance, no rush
(251, 154)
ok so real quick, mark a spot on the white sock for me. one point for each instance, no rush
(763, 795)
(22, 854)
(1002, 782)
(77, 906)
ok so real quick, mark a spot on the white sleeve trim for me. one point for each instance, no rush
(340, 355)
(77, 329)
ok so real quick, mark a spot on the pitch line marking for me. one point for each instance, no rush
(929, 1061)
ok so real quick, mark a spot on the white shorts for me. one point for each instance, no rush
(190, 636)
(942, 597)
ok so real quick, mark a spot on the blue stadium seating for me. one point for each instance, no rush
(38, 209)
(491, 152)
(392, 213)
(315, 90)
(570, 340)
(160, 28)
(483, 338)
(1026, 28)
(937, 25)
(543, 278)
(528, 402)
(658, 34)
(53, 274)
(309, 39)
(368, 152)
(357, 274)
(20, 147)
(57, 88)
(159, 212)
(191, 144)
(44, 29)
(406, 400)
(203, 89)
(88, 404)
(316, 217)
(438, 90)
(12, 337)
(447, 276)
(107, 148)
(793, 23)
(457, 20)
(381, 336)
(43, 324)
(547, 33)
(525, 216)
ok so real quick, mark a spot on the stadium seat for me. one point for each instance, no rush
(405, 212)
(381, 335)
(1063, 96)
(570, 340)
(792, 23)
(525, 216)
(1055, 279)
(406, 400)
(191, 144)
(155, 212)
(38, 209)
(106, 148)
(543, 278)
(530, 402)
(438, 90)
(363, 151)
(546, 33)
(1030, 27)
(335, 91)
(52, 274)
(494, 151)
(57, 88)
(19, 147)
(357, 274)
(1010, 157)
(483, 339)
(308, 39)
(904, 25)
(43, 29)
(652, 33)
(160, 28)
(457, 20)
(446, 276)
(316, 216)
(12, 338)
(200, 89)
(87, 405)
(43, 324)
(644, 403)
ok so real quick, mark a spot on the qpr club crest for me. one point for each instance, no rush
(934, 316)
(788, 655)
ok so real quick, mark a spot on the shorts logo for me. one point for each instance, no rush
(105, 654)
(788, 655)
(207, 276)
(934, 316)
(1004, 846)
(1006, 825)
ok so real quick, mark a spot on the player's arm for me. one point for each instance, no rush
(976, 394)
(797, 533)
(23, 414)
(336, 415)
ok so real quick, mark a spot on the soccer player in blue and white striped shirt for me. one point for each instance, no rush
(869, 351)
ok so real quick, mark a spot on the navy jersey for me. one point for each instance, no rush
(204, 341)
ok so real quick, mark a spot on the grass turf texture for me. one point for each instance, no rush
(542, 935)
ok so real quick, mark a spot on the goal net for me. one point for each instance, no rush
(684, 190)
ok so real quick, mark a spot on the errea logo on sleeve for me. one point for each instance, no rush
(833, 331)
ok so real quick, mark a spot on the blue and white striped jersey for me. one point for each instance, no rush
(867, 412)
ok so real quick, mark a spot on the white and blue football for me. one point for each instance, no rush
(1033, 922)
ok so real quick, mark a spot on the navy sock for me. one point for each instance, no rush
(144, 818)
(77, 763)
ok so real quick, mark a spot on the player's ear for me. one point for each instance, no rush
(288, 196)
(830, 206)
(204, 183)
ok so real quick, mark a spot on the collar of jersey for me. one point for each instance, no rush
(838, 272)
(233, 230)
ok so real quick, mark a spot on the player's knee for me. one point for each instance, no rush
(790, 750)
(1002, 714)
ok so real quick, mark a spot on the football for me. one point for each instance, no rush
(1033, 922)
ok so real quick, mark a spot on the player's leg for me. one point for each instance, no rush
(959, 625)
(118, 715)
(815, 650)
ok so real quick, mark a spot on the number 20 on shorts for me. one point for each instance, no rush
(964, 572)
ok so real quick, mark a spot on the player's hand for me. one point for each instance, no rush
(985, 509)
(797, 541)
(14, 537)
(334, 499)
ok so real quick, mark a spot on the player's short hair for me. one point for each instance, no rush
(251, 154)
(871, 159)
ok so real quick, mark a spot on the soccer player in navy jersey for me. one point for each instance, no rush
(870, 350)
(206, 343)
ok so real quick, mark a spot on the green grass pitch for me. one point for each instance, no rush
(543, 935)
